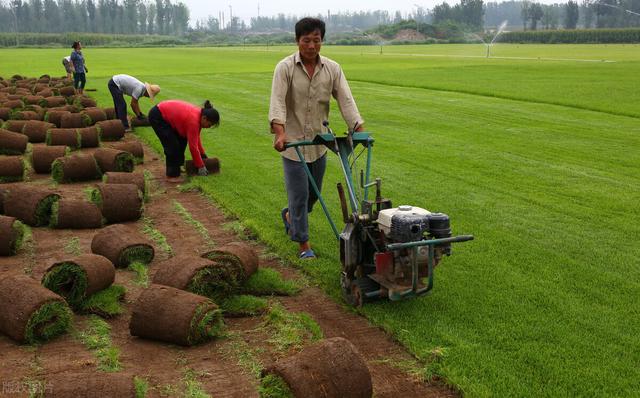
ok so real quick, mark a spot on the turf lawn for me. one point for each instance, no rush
(535, 151)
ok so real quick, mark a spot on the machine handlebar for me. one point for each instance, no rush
(460, 238)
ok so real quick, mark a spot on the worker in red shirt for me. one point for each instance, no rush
(178, 123)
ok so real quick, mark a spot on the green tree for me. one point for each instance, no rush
(571, 15)
(535, 15)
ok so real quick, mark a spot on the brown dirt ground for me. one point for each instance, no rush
(215, 364)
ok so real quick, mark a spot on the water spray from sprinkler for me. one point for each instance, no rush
(501, 28)
(618, 8)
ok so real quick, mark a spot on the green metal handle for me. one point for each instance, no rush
(432, 242)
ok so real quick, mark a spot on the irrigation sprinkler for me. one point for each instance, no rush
(500, 30)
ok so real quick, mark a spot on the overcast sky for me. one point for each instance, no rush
(200, 9)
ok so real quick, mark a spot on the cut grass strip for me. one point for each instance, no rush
(148, 228)
(244, 305)
(188, 218)
(290, 329)
(141, 272)
(73, 246)
(29, 246)
(97, 338)
(193, 388)
(141, 386)
(245, 355)
(273, 386)
(267, 281)
(106, 303)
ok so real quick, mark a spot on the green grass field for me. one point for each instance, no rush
(535, 151)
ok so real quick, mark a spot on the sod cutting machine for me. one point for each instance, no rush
(385, 251)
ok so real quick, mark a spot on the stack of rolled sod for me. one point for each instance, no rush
(198, 275)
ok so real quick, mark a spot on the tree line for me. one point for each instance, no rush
(162, 17)
(96, 16)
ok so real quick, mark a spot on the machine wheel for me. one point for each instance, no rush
(356, 295)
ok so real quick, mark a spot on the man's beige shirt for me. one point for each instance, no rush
(301, 103)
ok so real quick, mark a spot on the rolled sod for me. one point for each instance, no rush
(67, 91)
(11, 235)
(79, 277)
(14, 125)
(122, 245)
(198, 275)
(111, 130)
(12, 143)
(68, 137)
(240, 257)
(36, 130)
(32, 99)
(73, 168)
(89, 137)
(46, 93)
(212, 165)
(84, 101)
(29, 312)
(110, 159)
(138, 179)
(3, 192)
(5, 113)
(95, 115)
(55, 116)
(26, 115)
(135, 122)
(53, 101)
(110, 113)
(330, 368)
(43, 156)
(106, 385)
(14, 104)
(133, 147)
(74, 120)
(118, 202)
(171, 315)
(30, 204)
(11, 169)
(75, 214)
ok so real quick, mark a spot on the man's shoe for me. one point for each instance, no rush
(307, 255)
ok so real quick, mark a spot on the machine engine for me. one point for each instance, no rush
(410, 224)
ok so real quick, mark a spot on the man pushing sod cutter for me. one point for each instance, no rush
(303, 84)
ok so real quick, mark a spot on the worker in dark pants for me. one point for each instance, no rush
(80, 70)
(301, 91)
(121, 85)
(178, 124)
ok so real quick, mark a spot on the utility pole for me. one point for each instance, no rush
(230, 16)
(258, 10)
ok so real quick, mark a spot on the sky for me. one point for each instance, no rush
(200, 9)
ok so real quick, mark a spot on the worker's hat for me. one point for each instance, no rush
(152, 90)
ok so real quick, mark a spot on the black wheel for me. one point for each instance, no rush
(358, 289)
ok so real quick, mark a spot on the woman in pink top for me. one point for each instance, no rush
(178, 123)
